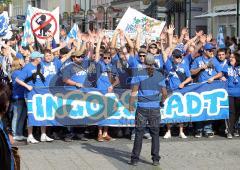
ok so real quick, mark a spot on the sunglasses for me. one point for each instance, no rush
(106, 58)
(81, 56)
(142, 55)
(153, 47)
(177, 56)
(210, 50)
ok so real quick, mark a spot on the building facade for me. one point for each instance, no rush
(221, 13)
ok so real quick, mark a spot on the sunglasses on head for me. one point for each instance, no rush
(106, 58)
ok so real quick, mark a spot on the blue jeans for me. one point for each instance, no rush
(152, 118)
(19, 116)
(204, 127)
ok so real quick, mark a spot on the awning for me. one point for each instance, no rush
(206, 15)
(217, 13)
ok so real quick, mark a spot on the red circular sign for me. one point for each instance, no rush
(45, 24)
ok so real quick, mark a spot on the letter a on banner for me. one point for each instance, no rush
(44, 23)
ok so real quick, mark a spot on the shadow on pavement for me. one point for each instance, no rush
(114, 153)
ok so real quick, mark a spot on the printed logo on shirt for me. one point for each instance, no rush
(81, 73)
(49, 70)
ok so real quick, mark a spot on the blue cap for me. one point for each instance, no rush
(180, 48)
(36, 54)
(208, 46)
(19, 55)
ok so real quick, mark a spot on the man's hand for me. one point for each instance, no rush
(210, 80)
(79, 85)
(170, 29)
(209, 37)
(181, 85)
(29, 88)
(184, 31)
(204, 67)
(223, 79)
(110, 89)
(199, 33)
(203, 39)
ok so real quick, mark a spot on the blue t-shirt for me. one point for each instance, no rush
(187, 60)
(232, 75)
(134, 62)
(18, 90)
(27, 72)
(204, 75)
(224, 64)
(77, 73)
(103, 69)
(122, 70)
(149, 88)
(159, 61)
(50, 70)
(176, 73)
(66, 63)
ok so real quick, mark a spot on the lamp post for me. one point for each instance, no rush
(238, 20)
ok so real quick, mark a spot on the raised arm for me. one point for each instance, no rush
(114, 39)
(100, 38)
(138, 39)
(170, 31)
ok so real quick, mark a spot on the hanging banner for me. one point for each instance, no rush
(63, 106)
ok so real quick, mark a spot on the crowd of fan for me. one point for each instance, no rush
(95, 60)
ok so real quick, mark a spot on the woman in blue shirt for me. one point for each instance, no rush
(232, 74)
(18, 102)
(107, 79)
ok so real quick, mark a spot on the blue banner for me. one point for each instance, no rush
(61, 106)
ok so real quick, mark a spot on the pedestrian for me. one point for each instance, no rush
(148, 84)
(232, 75)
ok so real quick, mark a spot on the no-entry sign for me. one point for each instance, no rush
(42, 24)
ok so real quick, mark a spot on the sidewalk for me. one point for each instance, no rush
(217, 153)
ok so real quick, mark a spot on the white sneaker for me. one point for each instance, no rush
(23, 137)
(182, 135)
(17, 138)
(45, 138)
(167, 135)
(32, 140)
